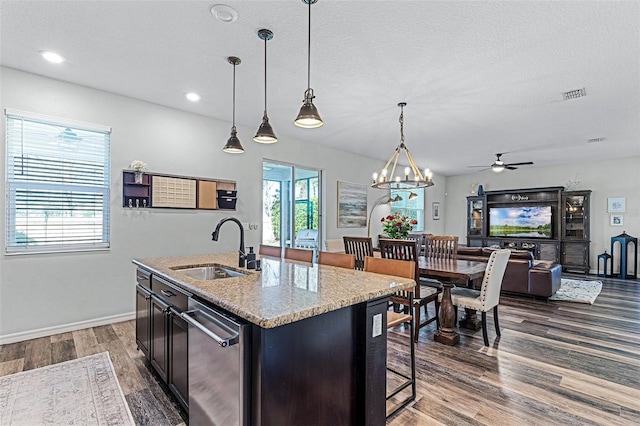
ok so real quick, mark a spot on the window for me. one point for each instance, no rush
(58, 184)
(413, 209)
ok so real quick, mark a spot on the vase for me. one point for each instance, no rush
(138, 176)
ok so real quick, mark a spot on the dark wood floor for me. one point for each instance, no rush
(556, 363)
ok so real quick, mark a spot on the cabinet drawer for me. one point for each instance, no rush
(170, 293)
(143, 277)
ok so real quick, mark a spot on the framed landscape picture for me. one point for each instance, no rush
(352, 205)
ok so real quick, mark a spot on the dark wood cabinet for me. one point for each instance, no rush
(575, 231)
(569, 242)
(178, 379)
(162, 334)
(159, 336)
(143, 304)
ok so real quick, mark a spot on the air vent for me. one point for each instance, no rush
(596, 140)
(574, 94)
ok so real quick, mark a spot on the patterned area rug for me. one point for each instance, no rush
(83, 391)
(578, 291)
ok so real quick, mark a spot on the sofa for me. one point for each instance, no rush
(524, 274)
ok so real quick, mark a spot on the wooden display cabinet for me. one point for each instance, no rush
(575, 231)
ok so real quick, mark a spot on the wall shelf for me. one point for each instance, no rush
(176, 192)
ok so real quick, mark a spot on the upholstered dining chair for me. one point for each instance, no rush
(360, 247)
(272, 251)
(340, 260)
(488, 297)
(334, 245)
(302, 255)
(403, 269)
(408, 250)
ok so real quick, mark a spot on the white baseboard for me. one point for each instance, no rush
(50, 331)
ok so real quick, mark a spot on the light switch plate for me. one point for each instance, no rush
(377, 325)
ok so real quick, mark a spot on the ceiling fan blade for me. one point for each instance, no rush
(520, 164)
(478, 166)
(510, 167)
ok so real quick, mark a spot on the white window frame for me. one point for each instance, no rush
(91, 188)
(401, 206)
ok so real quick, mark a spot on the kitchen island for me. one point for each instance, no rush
(316, 345)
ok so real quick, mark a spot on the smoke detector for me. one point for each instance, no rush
(224, 13)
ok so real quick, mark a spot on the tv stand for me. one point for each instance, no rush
(542, 248)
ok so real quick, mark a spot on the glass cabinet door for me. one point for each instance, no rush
(476, 216)
(575, 217)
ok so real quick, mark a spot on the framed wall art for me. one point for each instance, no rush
(352, 205)
(617, 220)
(615, 205)
(436, 210)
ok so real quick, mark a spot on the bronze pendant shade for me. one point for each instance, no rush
(233, 145)
(308, 117)
(265, 133)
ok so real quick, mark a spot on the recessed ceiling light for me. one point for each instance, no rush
(224, 13)
(193, 97)
(52, 57)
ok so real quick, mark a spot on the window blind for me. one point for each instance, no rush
(57, 184)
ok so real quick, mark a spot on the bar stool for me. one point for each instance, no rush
(624, 239)
(606, 258)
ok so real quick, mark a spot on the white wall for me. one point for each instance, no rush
(606, 178)
(55, 290)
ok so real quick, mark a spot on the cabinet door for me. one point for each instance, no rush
(179, 359)
(575, 256)
(159, 336)
(576, 216)
(548, 251)
(143, 329)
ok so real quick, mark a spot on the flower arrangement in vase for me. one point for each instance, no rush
(138, 166)
(397, 226)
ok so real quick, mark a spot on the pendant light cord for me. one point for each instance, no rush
(265, 76)
(234, 95)
(401, 125)
(309, 49)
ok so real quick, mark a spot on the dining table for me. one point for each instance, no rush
(447, 270)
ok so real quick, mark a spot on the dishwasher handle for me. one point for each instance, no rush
(222, 341)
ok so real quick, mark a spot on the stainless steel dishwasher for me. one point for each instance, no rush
(218, 367)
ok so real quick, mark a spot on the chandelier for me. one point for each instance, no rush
(412, 177)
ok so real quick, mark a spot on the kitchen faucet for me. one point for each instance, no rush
(241, 254)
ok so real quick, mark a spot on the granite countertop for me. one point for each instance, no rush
(284, 291)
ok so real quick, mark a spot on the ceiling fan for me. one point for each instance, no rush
(500, 165)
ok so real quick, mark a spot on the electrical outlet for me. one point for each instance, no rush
(377, 325)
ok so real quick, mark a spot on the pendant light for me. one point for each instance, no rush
(384, 180)
(233, 145)
(308, 117)
(265, 133)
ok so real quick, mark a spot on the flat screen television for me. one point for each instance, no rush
(523, 222)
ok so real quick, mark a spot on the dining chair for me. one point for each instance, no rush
(421, 239)
(403, 269)
(360, 247)
(340, 260)
(488, 297)
(302, 255)
(408, 250)
(334, 245)
(439, 247)
(272, 251)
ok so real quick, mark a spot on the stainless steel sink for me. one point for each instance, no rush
(209, 272)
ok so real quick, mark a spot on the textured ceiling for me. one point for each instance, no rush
(479, 77)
